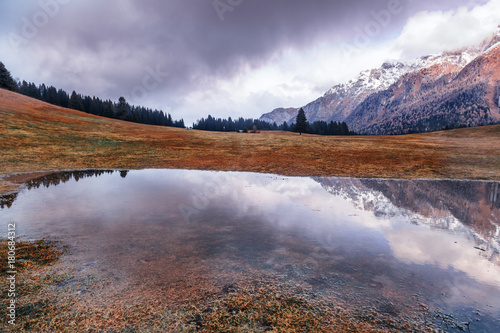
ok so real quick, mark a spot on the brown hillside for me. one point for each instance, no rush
(35, 136)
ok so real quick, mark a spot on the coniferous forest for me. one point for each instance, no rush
(248, 125)
(96, 106)
(124, 111)
(93, 105)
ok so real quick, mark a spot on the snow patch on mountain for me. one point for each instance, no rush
(390, 72)
(339, 102)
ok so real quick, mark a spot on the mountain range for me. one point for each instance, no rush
(447, 90)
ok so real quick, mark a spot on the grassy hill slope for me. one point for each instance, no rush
(36, 136)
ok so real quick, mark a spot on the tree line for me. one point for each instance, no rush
(93, 105)
(229, 125)
(124, 111)
(301, 125)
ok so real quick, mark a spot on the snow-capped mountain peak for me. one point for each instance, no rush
(422, 92)
(371, 80)
(390, 72)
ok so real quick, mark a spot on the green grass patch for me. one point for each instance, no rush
(103, 142)
(87, 119)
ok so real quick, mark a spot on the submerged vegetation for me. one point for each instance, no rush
(268, 306)
(26, 276)
(72, 301)
(30, 254)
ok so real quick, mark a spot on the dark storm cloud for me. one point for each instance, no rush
(114, 45)
(188, 38)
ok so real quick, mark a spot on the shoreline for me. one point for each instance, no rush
(302, 282)
(13, 183)
(37, 138)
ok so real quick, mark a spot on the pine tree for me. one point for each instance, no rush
(62, 98)
(108, 109)
(6, 80)
(122, 109)
(75, 102)
(51, 95)
(285, 127)
(344, 130)
(301, 122)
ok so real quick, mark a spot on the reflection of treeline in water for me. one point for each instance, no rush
(7, 200)
(55, 179)
(63, 177)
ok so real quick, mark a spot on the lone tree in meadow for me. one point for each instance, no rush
(301, 122)
(6, 80)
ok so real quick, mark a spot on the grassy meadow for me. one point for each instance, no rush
(35, 136)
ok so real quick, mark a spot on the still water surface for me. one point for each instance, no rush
(382, 243)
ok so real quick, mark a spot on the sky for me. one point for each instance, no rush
(226, 57)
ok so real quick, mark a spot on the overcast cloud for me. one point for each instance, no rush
(228, 57)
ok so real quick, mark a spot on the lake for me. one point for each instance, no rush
(427, 247)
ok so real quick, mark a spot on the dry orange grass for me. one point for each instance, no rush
(30, 254)
(35, 136)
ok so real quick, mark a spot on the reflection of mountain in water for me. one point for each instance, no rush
(55, 179)
(472, 207)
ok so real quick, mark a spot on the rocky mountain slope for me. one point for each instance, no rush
(458, 88)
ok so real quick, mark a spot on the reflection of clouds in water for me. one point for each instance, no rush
(425, 246)
(419, 236)
(351, 210)
(56, 205)
(290, 200)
